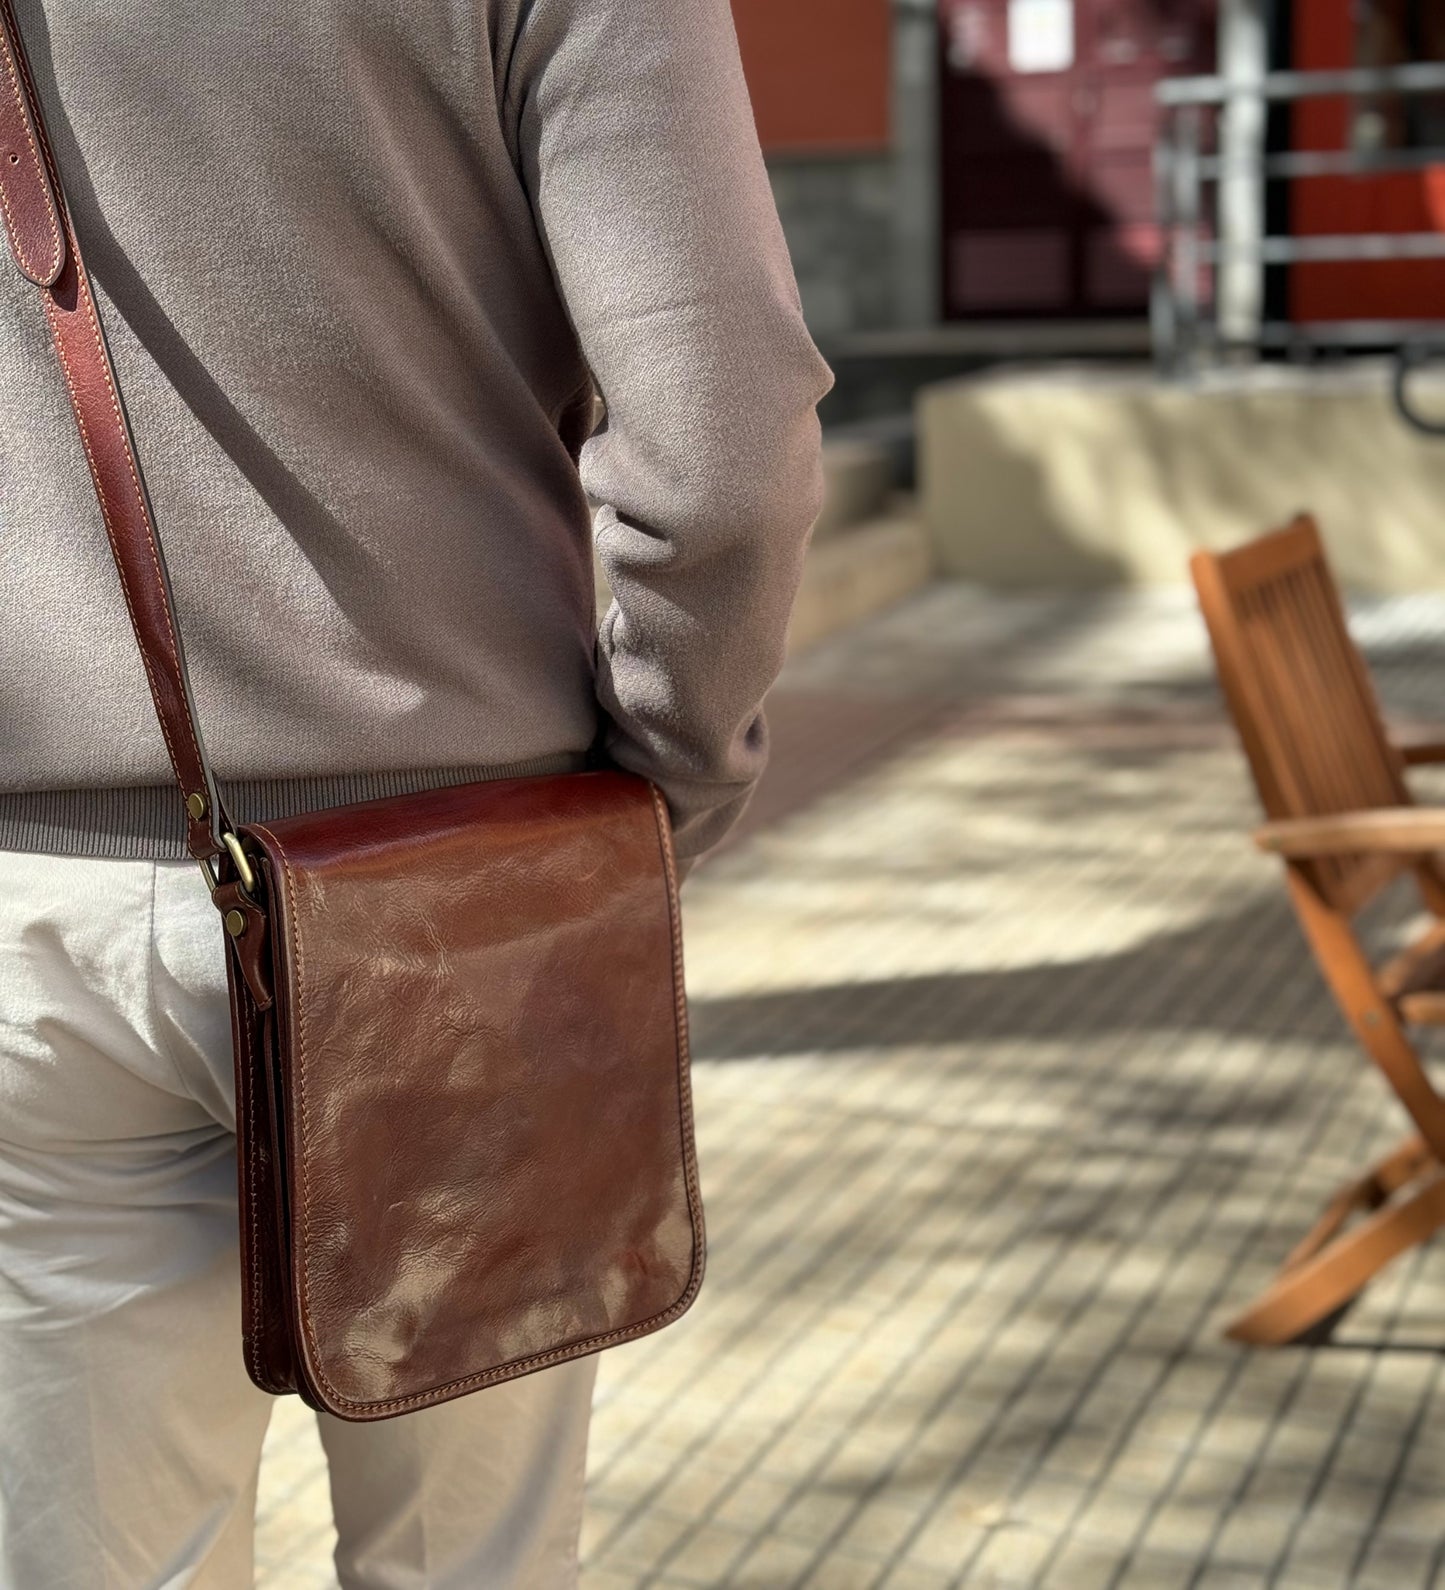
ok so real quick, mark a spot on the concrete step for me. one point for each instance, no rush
(851, 576)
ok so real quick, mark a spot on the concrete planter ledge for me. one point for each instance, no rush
(1077, 477)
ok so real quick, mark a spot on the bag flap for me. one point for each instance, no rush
(485, 1075)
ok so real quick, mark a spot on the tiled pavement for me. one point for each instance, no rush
(1012, 1078)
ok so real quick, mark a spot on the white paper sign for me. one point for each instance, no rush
(968, 30)
(1041, 35)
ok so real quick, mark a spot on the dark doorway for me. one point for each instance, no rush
(1047, 150)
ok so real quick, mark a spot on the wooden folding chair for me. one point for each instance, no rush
(1341, 815)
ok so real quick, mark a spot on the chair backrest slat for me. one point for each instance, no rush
(1300, 694)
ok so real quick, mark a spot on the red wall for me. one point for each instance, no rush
(1406, 201)
(818, 71)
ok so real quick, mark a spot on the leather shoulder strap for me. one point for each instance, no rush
(42, 240)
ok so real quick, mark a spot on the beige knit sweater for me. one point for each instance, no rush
(364, 265)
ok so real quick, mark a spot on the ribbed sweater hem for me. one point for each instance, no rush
(147, 822)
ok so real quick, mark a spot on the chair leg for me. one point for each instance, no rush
(1376, 1187)
(1332, 1266)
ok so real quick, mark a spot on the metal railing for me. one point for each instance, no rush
(1193, 171)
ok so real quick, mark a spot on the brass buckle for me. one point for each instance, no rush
(244, 871)
(243, 862)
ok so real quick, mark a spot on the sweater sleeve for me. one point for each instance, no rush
(642, 162)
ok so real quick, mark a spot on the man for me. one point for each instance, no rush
(367, 269)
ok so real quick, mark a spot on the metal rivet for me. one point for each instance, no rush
(196, 806)
(235, 923)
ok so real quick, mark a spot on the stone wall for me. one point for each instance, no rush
(838, 214)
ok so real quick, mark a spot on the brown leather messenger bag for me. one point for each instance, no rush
(464, 1120)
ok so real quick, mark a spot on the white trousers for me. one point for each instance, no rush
(130, 1435)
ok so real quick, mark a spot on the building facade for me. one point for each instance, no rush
(947, 161)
